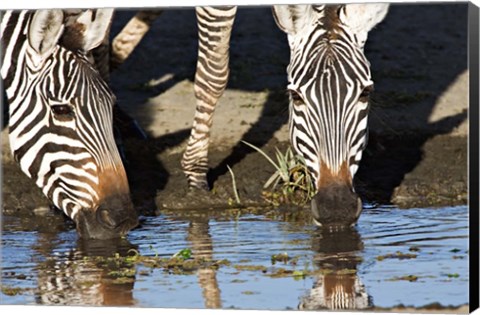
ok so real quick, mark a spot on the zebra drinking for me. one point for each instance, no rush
(60, 117)
(329, 85)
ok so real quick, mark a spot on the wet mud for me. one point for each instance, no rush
(388, 175)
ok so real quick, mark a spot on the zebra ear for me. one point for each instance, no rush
(290, 18)
(92, 26)
(362, 17)
(44, 31)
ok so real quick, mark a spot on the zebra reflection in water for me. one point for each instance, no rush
(338, 287)
(83, 275)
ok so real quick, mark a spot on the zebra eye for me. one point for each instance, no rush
(296, 98)
(366, 94)
(62, 110)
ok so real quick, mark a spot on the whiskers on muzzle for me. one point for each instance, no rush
(112, 219)
(335, 205)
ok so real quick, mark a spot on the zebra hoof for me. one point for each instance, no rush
(199, 186)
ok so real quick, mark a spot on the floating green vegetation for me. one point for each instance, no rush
(299, 275)
(282, 257)
(238, 281)
(185, 253)
(291, 182)
(455, 250)
(282, 272)
(122, 273)
(453, 275)
(250, 268)
(397, 255)
(123, 269)
(411, 278)
(11, 291)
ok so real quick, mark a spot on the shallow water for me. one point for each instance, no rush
(412, 257)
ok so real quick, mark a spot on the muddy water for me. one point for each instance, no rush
(412, 257)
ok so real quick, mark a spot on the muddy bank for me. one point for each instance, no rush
(392, 171)
(431, 309)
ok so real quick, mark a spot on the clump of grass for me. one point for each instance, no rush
(291, 182)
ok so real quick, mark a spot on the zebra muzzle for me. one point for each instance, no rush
(336, 206)
(111, 220)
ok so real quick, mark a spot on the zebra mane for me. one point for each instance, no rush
(330, 20)
(72, 37)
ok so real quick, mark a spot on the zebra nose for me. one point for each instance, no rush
(113, 219)
(117, 213)
(336, 206)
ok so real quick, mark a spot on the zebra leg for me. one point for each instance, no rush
(214, 30)
(130, 36)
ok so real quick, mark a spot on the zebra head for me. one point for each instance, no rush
(60, 122)
(329, 85)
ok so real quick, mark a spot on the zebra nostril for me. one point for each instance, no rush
(105, 219)
(336, 205)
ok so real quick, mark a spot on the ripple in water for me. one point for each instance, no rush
(412, 257)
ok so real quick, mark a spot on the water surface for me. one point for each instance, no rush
(393, 256)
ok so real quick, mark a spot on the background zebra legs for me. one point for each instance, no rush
(214, 30)
(125, 42)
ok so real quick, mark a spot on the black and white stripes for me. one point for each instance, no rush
(61, 113)
(329, 83)
(214, 29)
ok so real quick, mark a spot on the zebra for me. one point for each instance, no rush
(60, 117)
(329, 83)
